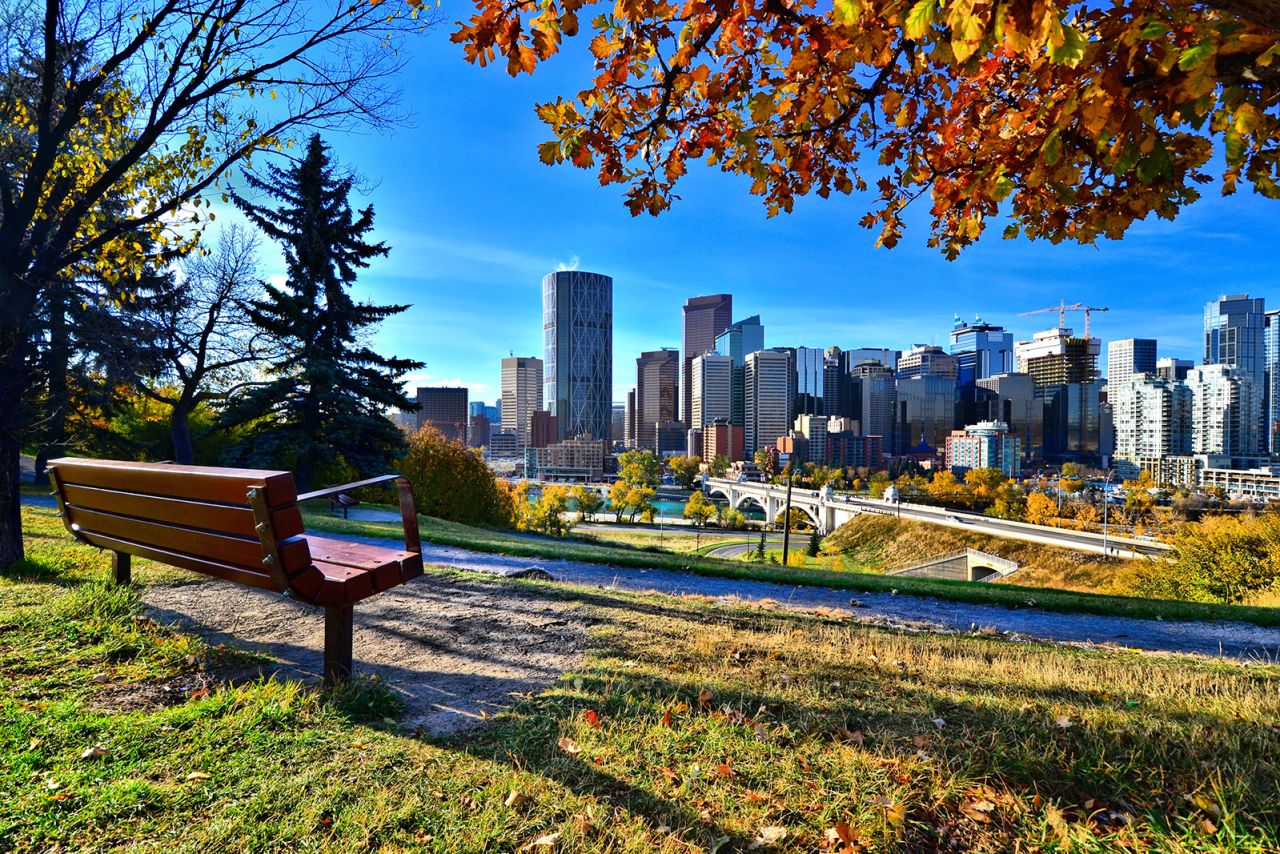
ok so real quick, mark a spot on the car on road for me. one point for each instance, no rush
(955, 519)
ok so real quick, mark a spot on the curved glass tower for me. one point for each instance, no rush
(577, 334)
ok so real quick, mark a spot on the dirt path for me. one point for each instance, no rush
(455, 651)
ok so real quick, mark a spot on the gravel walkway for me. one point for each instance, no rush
(1229, 639)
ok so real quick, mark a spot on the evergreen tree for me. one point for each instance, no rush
(322, 406)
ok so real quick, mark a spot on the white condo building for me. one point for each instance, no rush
(1152, 419)
(1225, 404)
(769, 381)
(711, 389)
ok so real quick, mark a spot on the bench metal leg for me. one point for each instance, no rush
(121, 567)
(337, 645)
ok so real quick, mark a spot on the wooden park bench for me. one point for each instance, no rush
(239, 525)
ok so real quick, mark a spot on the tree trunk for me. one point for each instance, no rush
(17, 301)
(180, 431)
(53, 439)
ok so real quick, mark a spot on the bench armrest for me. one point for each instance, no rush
(404, 491)
(347, 487)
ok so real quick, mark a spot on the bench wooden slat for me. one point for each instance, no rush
(177, 511)
(198, 483)
(385, 564)
(219, 548)
(227, 571)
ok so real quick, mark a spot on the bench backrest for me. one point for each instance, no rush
(194, 517)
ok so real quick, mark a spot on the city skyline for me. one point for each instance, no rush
(469, 253)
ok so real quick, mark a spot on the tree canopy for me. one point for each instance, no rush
(1072, 119)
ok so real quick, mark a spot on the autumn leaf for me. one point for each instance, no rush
(198, 775)
(704, 698)
(568, 745)
(517, 800)
(97, 751)
(767, 836)
(592, 718)
(920, 18)
(725, 769)
(547, 841)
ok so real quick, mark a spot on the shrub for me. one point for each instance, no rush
(1221, 559)
(451, 481)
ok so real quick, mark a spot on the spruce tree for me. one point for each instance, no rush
(324, 403)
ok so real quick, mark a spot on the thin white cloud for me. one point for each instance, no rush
(571, 264)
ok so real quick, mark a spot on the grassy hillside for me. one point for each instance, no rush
(887, 543)
(688, 727)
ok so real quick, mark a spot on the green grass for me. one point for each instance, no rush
(1067, 601)
(688, 726)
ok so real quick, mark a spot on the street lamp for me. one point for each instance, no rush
(1106, 483)
(786, 516)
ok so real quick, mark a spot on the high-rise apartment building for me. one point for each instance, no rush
(1064, 369)
(577, 331)
(522, 380)
(657, 394)
(711, 389)
(1272, 390)
(1127, 357)
(444, 409)
(769, 386)
(704, 319)
(722, 439)
(1151, 418)
(542, 429)
(739, 339)
(1224, 406)
(875, 396)
(926, 360)
(982, 350)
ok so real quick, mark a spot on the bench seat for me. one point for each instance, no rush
(240, 525)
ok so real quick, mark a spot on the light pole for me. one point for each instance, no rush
(1105, 501)
(786, 516)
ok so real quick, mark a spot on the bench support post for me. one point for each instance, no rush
(337, 645)
(121, 567)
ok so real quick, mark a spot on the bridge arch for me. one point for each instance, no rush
(745, 500)
(808, 514)
(718, 492)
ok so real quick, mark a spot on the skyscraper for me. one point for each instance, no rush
(808, 363)
(739, 339)
(521, 395)
(577, 331)
(657, 382)
(769, 388)
(1152, 418)
(1224, 406)
(1173, 369)
(926, 360)
(837, 385)
(1015, 403)
(982, 350)
(1234, 334)
(1272, 391)
(705, 318)
(926, 411)
(1127, 357)
(444, 409)
(1064, 369)
(712, 390)
(875, 395)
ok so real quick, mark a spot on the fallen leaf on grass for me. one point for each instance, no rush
(1062, 721)
(921, 742)
(568, 745)
(666, 718)
(939, 722)
(199, 775)
(849, 736)
(979, 811)
(843, 839)
(704, 698)
(768, 836)
(97, 751)
(894, 813)
(725, 769)
(33, 744)
(1206, 804)
(592, 718)
(517, 800)
(546, 841)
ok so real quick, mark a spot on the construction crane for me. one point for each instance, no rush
(1062, 308)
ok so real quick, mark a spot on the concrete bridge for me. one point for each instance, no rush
(824, 509)
(829, 511)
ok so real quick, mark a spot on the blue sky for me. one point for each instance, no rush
(474, 221)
